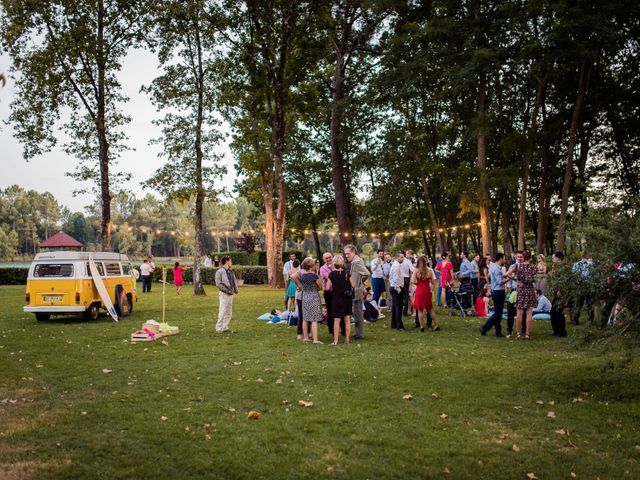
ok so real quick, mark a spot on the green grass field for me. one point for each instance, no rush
(481, 407)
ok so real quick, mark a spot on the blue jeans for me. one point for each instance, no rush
(439, 295)
(378, 288)
(495, 320)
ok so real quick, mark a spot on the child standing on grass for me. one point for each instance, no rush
(178, 281)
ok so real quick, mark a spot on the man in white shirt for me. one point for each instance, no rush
(285, 273)
(396, 287)
(377, 275)
(407, 269)
(146, 270)
(544, 305)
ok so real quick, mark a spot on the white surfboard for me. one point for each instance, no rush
(102, 290)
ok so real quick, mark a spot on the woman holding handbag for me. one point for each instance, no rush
(342, 299)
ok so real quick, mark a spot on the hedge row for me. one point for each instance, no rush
(13, 276)
(253, 258)
(252, 275)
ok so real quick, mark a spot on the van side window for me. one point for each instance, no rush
(43, 270)
(100, 269)
(113, 269)
(126, 268)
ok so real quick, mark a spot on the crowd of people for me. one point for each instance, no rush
(408, 285)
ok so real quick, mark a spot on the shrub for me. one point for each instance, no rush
(252, 274)
(240, 258)
(13, 276)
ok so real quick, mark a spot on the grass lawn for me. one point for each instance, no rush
(482, 407)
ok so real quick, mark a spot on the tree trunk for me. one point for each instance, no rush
(533, 128)
(105, 194)
(343, 203)
(316, 242)
(543, 195)
(483, 197)
(432, 214)
(585, 70)
(198, 289)
(506, 222)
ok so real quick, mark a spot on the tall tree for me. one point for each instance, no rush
(67, 55)
(186, 38)
(275, 46)
(355, 24)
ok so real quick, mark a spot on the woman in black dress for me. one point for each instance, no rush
(339, 285)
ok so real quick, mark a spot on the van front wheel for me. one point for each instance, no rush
(43, 317)
(92, 312)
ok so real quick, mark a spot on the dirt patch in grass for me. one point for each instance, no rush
(25, 470)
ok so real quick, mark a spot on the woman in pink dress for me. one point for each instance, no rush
(425, 281)
(178, 281)
(445, 267)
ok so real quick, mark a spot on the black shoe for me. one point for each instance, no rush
(499, 335)
(357, 337)
(482, 332)
(401, 329)
(422, 329)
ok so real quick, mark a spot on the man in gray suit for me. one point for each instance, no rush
(358, 275)
(226, 283)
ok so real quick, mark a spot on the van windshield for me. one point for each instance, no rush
(53, 270)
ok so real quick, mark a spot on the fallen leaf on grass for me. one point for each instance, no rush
(165, 342)
(231, 409)
(39, 366)
(531, 476)
(407, 397)
(446, 470)
(83, 413)
(551, 414)
(106, 370)
(561, 431)
(515, 448)
(578, 399)
(518, 407)
(435, 395)
(164, 419)
(279, 380)
(259, 380)
(638, 447)
(573, 475)
(305, 404)
(444, 416)
(254, 415)
(539, 402)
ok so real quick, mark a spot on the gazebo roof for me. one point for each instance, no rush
(61, 240)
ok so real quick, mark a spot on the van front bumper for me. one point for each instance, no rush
(53, 309)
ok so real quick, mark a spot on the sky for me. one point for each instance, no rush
(47, 172)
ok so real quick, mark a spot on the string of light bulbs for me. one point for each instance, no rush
(330, 233)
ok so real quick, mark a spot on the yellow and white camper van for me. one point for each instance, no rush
(62, 283)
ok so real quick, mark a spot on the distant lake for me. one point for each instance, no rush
(14, 264)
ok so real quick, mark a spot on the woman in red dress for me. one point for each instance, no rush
(425, 280)
(178, 280)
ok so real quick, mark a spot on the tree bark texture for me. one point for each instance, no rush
(585, 71)
(483, 197)
(105, 193)
(531, 138)
(198, 289)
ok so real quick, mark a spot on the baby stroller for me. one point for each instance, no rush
(460, 302)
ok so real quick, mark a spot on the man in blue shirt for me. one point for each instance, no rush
(497, 280)
(544, 305)
(466, 269)
(582, 269)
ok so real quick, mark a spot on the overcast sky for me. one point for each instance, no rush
(47, 172)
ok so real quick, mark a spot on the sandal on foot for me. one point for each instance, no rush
(306, 339)
(318, 342)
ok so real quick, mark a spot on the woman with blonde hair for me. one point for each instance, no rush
(541, 277)
(342, 303)
(310, 283)
(425, 281)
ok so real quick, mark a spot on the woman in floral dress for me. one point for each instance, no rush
(525, 273)
(309, 282)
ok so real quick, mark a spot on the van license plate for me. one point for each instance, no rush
(52, 298)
